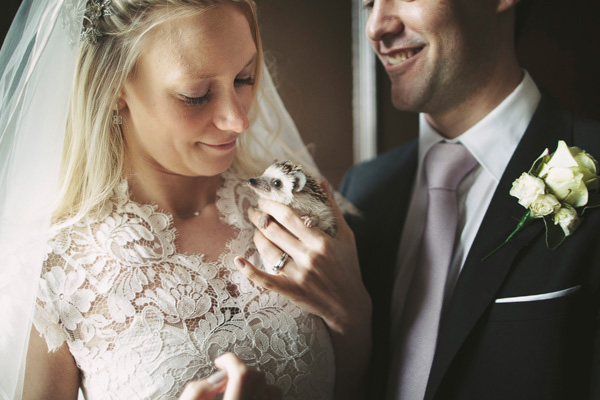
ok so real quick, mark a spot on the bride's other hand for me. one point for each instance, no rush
(236, 379)
(322, 276)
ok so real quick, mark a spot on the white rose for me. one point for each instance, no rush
(567, 218)
(562, 157)
(569, 174)
(567, 185)
(544, 204)
(588, 166)
(584, 159)
(526, 188)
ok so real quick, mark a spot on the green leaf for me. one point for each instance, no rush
(593, 201)
(523, 222)
(554, 233)
(537, 164)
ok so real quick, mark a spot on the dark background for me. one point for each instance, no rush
(309, 45)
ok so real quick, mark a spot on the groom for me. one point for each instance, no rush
(449, 322)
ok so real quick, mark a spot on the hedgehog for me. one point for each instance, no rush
(286, 182)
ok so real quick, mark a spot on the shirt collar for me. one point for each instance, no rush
(493, 140)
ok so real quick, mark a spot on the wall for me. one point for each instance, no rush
(310, 44)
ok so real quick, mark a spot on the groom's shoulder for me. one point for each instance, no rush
(394, 167)
(388, 162)
(586, 133)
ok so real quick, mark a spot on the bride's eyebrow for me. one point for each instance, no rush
(209, 76)
(252, 60)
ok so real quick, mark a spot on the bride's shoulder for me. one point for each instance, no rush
(119, 227)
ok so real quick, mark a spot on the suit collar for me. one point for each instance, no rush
(480, 280)
(493, 139)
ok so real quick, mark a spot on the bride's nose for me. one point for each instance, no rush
(232, 114)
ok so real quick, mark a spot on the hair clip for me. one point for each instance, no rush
(95, 10)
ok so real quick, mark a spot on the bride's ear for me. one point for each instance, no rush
(121, 103)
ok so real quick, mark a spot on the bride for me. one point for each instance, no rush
(141, 287)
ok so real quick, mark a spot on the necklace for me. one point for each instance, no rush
(194, 214)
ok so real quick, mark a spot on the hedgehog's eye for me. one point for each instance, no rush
(277, 183)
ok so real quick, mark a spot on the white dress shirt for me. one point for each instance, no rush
(492, 141)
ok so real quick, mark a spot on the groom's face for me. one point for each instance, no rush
(434, 51)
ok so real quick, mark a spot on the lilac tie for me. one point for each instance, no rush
(446, 165)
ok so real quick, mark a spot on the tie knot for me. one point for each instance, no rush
(446, 164)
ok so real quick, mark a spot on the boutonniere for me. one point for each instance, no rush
(558, 189)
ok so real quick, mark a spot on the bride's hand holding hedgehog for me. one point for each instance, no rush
(311, 262)
(286, 182)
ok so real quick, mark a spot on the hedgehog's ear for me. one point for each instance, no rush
(300, 181)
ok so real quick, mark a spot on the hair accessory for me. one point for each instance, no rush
(95, 10)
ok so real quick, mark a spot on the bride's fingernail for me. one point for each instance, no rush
(217, 378)
(239, 262)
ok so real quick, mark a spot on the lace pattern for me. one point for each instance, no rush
(141, 319)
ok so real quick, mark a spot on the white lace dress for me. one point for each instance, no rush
(141, 319)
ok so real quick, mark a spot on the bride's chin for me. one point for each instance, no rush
(214, 168)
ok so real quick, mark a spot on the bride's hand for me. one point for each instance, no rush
(321, 276)
(238, 381)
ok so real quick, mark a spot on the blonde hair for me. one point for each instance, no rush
(94, 149)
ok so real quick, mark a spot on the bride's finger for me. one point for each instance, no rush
(277, 283)
(273, 255)
(244, 382)
(199, 390)
(277, 234)
(286, 217)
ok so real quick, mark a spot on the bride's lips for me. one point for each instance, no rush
(222, 146)
(394, 60)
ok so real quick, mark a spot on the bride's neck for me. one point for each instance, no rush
(181, 196)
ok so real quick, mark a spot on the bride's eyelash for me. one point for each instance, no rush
(249, 81)
(196, 101)
(368, 5)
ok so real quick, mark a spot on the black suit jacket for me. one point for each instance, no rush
(546, 349)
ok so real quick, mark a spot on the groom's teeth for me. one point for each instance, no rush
(400, 57)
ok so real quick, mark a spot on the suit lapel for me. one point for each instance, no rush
(384, 202)
(387, 201)
(479, 280)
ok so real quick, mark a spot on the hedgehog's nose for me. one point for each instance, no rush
(251, 181)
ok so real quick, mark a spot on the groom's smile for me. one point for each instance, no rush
(398, 57)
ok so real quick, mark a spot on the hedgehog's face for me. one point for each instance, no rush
(275, 184)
